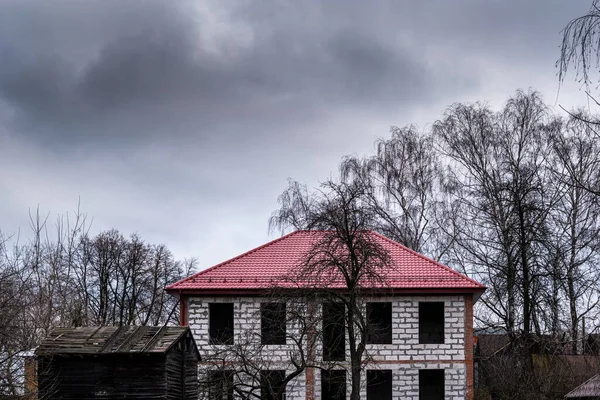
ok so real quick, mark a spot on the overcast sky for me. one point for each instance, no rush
(182, 120)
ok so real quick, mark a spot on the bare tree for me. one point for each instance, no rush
(345, 263)
(580, 49)
(399, 184)
(574, 225)
(15, 333)
(580, 46)
(125, 279)
(500, 181)
(64, 277)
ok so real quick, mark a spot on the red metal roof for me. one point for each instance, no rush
(261, 268)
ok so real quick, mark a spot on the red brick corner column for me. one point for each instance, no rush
(310, 383)
(469, 393)
(311, 343)
(183, 310)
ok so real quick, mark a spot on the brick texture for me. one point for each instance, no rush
(405, 356)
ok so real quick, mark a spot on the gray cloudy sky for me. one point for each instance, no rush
(181, 120)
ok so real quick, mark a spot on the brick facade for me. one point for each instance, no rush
(405, 356)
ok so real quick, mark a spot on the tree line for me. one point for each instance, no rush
(64, 276)
(499, 195)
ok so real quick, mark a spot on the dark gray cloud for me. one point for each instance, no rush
(182, 119)
(157, 75)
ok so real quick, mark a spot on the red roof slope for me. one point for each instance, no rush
(261, 267)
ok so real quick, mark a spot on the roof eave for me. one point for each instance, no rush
(375, 292)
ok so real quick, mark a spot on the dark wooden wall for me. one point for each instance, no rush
(118, 376)
(182, 371)
(191, 375)
(174, 365)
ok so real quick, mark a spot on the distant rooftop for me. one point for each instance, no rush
(588, 389)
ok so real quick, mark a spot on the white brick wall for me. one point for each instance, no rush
(405, 356)
(405, 378)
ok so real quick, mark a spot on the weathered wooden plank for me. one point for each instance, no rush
(111, 339)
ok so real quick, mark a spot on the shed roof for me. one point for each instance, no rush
(589, 388)
(261, 267)
(111, 340)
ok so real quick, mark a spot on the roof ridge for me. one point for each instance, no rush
(431, 260)
(171, 286)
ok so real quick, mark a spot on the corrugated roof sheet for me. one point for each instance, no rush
(264, 266)
(111, 340)
(589, 388)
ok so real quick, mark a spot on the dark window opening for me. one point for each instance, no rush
(334, 332)
(272, 386)
(272, 320)
(431, 384)
(221, 323)
(379, 385)
(379, 320)
(431, 322)
(220, 385)
(333, 384)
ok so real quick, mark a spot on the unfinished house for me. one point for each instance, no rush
(419, 320)
(109, 362)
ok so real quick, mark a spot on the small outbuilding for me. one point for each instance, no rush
(588, 390)
(133, 362)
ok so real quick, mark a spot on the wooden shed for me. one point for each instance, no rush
(118, 362)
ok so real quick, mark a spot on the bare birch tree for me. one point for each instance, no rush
(501, 184)
(575, 226)
(399, 183)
